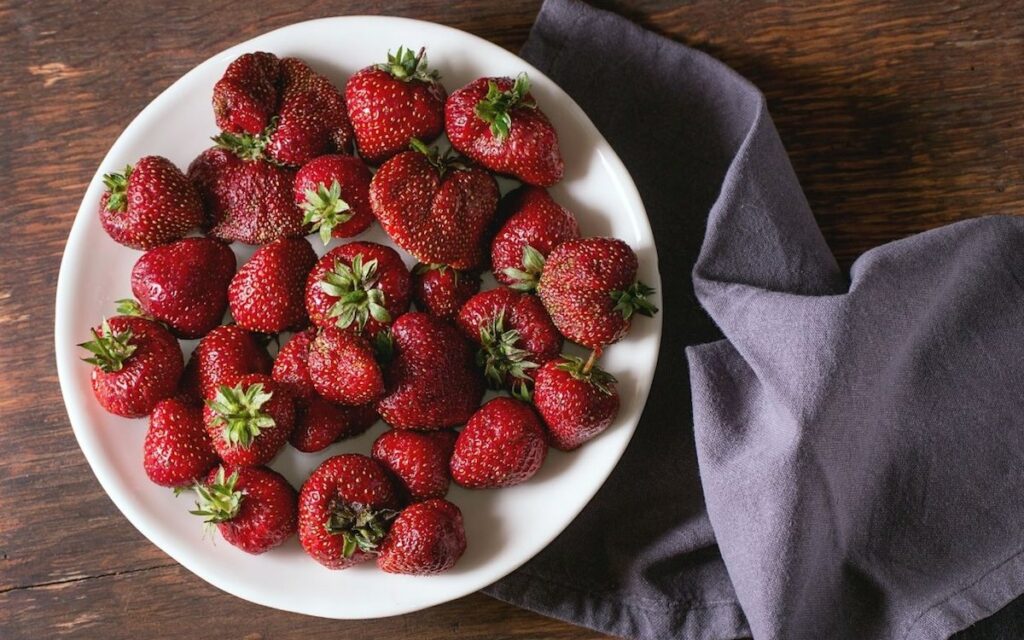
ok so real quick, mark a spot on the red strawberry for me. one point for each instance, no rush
(291, 367)
(345, 508)
(226, 354)
(589, 287)
(246, 96)
(515, 336)
(248, 200)
(576, 399)
(343, 368)
(426, 538)
(334, 193)
(431, 381)
(503, 444)
(495, 121)
(137, 363)
(281, 106)
(250, 421)
(185, 284)
(268, 293)
(418, 460)
(440, 290)
(435, 208)
(535, 225)
(318, 423)
(359, 285)
(177, 450)
(392, 102)
(254, 508)
(322, 423)
(149, 204)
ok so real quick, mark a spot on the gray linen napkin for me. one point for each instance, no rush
(859, 438)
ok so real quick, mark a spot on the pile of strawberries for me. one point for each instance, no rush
(285, 166)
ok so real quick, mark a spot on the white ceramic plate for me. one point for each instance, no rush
(505, 528)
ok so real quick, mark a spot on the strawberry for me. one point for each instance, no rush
(392, 102)
(589, 287)
(426, 538)
(254, 508)
(268, 293)
(226, 354)
(177, 450)
(576, 399)
(343, 368)
(334, 193)
(318, 423)
(291, 368)
(434, 207)
(345, 509)
(248, 199)
(495, 122)
(321, 423)
(150, 204)
(185, 284)
(245, 98)
(137, 363)
(250, 421)
(440, 290)
(503, 444)
(290, 112)
(535, 225)
(431, 382)
(362, 286)
(515, 336)
(418, 460)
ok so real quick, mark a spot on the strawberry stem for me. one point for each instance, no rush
(495, 107)
(218, 501)
(588, 371)
(361, 527)
(406, 66)
(324, 209)
(634, 300)
(109, 349)
(117, 186)
(499, 355)
(359, 298)
(239, 410)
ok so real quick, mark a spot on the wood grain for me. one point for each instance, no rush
(899, 117)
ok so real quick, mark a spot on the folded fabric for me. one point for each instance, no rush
(860, 440)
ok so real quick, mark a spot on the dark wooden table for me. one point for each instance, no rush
(899, 116)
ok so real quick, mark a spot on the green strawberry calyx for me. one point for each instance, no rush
(361, 527)
(587, 371)
(500, 356)
(406, 66)
(496, 106)
(359, 298)
(218, 501)
(117, 187)
(324, 209)
(633, 299)
(526, 278)
(440, 161)
(240, 411)
(110, 349)
(246, 145)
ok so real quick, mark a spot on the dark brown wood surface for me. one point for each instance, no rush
(899, 117)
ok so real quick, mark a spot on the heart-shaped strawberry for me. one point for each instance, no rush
(435, 207)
